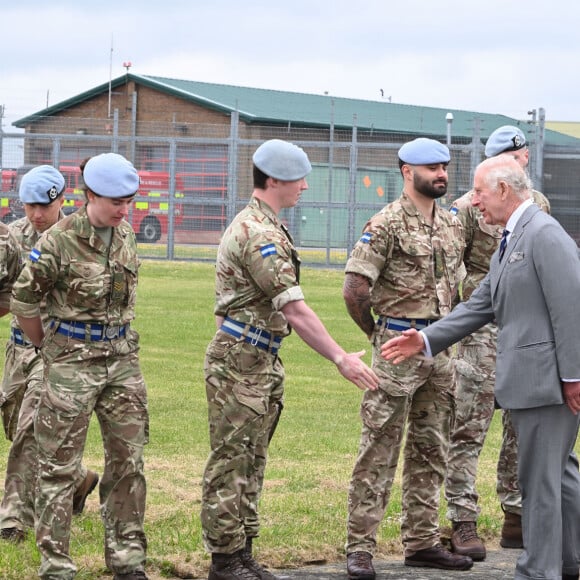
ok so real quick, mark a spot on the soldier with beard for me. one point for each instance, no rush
(405, 269)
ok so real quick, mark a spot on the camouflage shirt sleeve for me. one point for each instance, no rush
(256, 270)
(373, 250)
(37, 278)
(268, 260)
(9, 265)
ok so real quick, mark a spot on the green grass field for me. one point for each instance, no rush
(303, 507)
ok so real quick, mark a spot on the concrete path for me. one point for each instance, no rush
(499, 565)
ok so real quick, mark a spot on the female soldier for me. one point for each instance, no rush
(85, 268)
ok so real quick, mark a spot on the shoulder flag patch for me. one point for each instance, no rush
(34, 255)
(454, 210)
(268, 250)
(366, 237)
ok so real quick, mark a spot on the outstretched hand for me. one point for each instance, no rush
(351, 367)
(403, 347)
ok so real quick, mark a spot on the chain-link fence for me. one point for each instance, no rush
(192, 186)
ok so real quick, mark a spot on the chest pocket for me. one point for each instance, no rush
(416, 254)
(86, 284)
(124, 283)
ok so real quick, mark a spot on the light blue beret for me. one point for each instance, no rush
(111, 175)
(423, 151)
(506, 138)
(282, 160)
(43, 184)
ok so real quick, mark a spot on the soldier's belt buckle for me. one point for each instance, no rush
(256, 338)
(111, 332)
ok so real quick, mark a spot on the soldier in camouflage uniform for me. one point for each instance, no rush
(85, 270)
(258, 300)
(406, 269)
(475, 377)
(41, 192)
(9, 269)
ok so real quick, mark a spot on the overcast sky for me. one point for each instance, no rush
(495, 56)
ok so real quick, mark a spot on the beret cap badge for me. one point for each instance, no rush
(52, 193)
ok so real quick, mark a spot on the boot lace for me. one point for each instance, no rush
(249, 562)
(467, 531)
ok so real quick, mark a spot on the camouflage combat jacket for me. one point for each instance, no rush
(257, 269)
(26, 236)
(414, 268)
(9, 264)
(481, 239)
(81, 278)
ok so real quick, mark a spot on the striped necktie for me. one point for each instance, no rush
(503, 244)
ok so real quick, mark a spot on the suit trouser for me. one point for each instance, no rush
(550, 485)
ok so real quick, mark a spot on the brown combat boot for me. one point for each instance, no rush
(251, 564)
(136, 575)
(359, 566)
(85, 489)
(511, 532)
(15, 535)
(230, 567)
(465, 541)
(439, 557)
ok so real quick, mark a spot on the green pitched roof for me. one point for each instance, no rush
(307, 110)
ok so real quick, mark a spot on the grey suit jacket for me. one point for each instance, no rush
(534, 296)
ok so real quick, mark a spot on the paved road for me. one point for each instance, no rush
(499, 565)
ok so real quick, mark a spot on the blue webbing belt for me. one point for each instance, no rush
(404, 323)
(91, 331)
(255, 336)
(18, 337)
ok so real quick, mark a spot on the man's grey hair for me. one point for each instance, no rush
(505, 168)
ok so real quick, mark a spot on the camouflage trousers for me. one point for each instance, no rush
(14, 385)
(23, 373)
(80, 378)
(416, 395)
(244, 387)
(475, 378)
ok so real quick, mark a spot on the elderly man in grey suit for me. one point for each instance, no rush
(532, 292)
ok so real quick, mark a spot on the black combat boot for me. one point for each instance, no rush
(230, 567)
(251, 564)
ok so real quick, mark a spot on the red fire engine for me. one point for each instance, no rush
(150, 213)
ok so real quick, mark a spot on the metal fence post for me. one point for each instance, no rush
(171, 208)
(353, 165)
(232, 192)
(115, 139)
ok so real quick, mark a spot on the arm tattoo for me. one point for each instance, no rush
(357, 296)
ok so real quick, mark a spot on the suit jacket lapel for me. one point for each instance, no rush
(496, 267)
